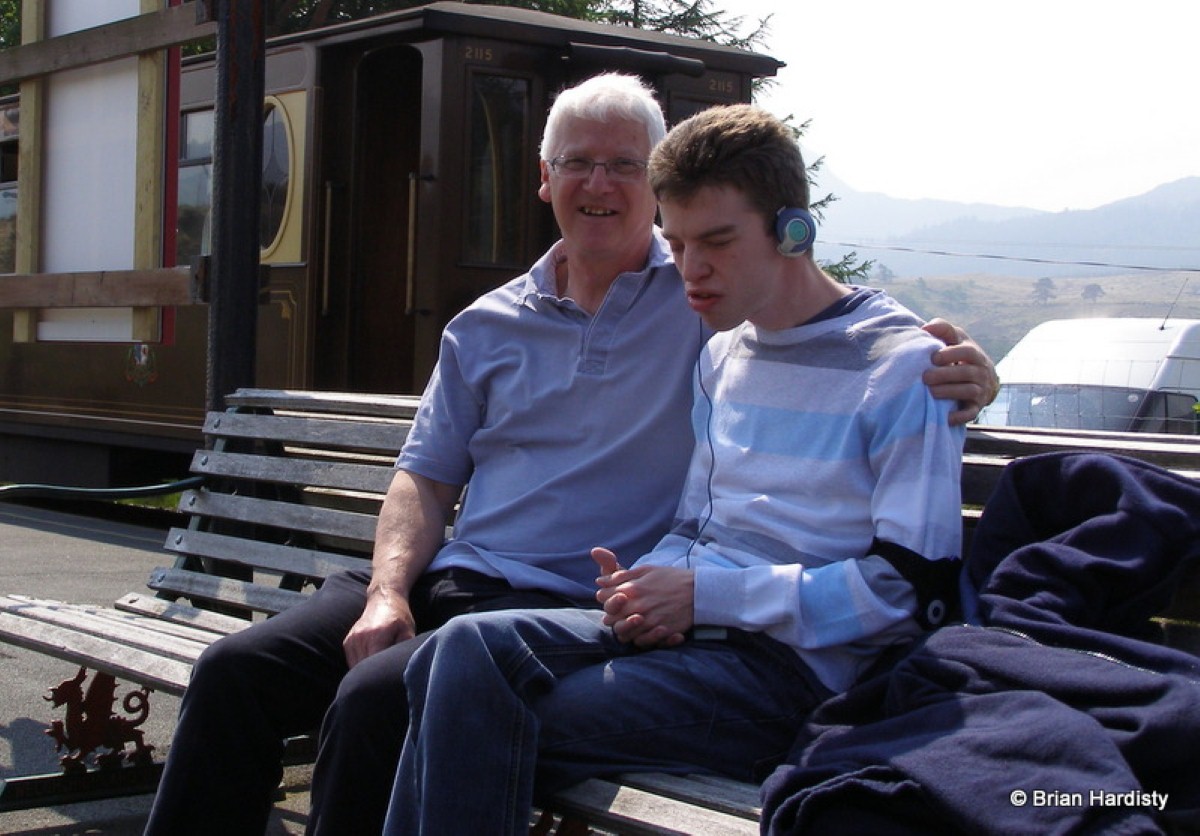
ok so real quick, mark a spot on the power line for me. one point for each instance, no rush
(997, 257)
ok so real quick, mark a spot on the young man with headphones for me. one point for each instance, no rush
(819, 528)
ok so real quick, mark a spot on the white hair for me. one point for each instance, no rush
(604, 97)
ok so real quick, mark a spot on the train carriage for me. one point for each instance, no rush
(399, 183)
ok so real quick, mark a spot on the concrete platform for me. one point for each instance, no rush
(79, 558)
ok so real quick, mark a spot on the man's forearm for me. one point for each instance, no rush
(411, 528)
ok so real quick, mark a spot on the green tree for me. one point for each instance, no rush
(10, 33)
(10, 23)
(693, 18)
(1043, 290)
(306, 14)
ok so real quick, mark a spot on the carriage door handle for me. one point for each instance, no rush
(327, 260)
(410, 279)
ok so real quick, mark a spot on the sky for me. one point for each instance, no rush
(1046, 104)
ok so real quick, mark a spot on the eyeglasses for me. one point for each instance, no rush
(620, 170)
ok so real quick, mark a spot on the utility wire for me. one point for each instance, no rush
(1027, 259)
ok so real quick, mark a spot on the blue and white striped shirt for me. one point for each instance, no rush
(813, 442)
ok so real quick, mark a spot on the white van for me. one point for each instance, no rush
(1139, 375)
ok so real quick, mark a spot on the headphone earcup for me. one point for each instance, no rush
(796, 230)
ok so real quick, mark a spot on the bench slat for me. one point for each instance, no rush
(179, 612)
(723, 794)
(238, 593)
(384, 406)
(1174, 452)
(123, 662)
(309, 563)
(192, 634)
(283, 515)
(382, 437)
(142, 634)
(189, 631)
(633, 811)
(276, 470)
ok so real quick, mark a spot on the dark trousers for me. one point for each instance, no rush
(287, 676)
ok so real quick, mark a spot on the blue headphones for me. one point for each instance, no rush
(796, 230)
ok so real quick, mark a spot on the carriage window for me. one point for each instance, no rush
(194, 236)
(277, 163)
(194, 225)
(10, 122)
(498, 174)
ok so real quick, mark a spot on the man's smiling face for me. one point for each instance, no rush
(597, 215)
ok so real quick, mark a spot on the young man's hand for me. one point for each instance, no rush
(649, 606)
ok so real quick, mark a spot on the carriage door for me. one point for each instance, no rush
(371, 120)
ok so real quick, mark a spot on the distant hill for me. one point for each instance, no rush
(1158, 229)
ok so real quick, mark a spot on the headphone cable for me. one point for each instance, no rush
(712, 450)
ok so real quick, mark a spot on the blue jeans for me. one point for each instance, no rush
(506, 705)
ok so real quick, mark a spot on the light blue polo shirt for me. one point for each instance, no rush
(572, 430)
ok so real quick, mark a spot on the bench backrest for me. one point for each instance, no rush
(294, 482)
(988, 449)
(293, 486)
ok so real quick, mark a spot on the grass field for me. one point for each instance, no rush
(997, 311)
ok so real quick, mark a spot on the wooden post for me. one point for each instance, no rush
(29, 191)
(237, 187)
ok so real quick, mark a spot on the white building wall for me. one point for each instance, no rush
(90, 170)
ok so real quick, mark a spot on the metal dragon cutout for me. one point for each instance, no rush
(91, 725)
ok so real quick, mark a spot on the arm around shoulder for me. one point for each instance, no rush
(962, 372)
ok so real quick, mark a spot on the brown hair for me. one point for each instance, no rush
(742, 146)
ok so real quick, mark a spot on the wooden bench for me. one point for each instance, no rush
(292, 485)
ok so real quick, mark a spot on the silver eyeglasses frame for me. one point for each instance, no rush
(619, 170)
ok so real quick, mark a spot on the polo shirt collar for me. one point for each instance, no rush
(541, 282)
